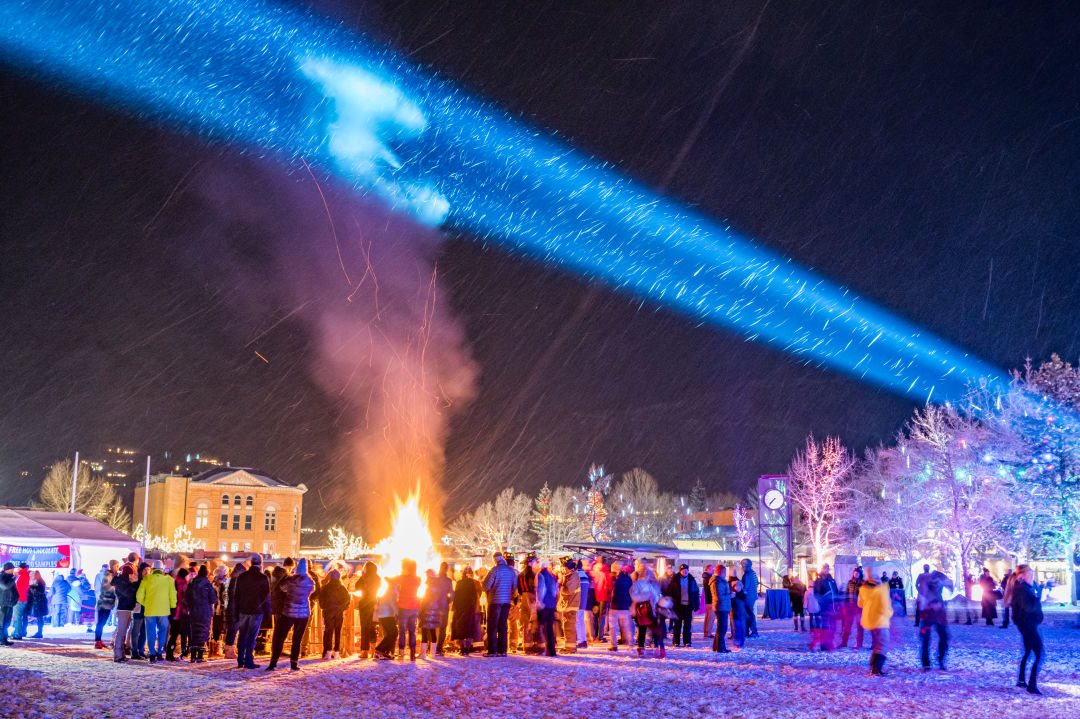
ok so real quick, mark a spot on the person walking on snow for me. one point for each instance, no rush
(1027, 616)
(876, 612)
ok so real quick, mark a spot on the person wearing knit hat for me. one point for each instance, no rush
(334, 599)
(249, 602)
(296, 612)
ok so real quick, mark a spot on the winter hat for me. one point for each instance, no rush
(335, 575)
(221, 572)
(683, 566)
(301, 567)
(8, 565)
(256, 560)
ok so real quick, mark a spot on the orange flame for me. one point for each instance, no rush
(410, 539)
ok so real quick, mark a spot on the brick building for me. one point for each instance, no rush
(229, 509)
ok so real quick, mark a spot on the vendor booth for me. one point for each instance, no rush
(51, 541)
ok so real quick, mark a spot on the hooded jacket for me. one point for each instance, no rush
(157, 594)
(876, 604)
(201, 599)
(620, 593)
(721, 592)
(297, 589)
(334, 598)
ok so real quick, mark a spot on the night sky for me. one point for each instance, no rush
(927, 159)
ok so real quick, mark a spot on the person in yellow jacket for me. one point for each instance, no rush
(877, 612)
(157, 595)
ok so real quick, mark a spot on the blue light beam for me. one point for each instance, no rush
(286, 84)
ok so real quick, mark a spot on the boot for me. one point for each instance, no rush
(192, 653)
(230, 651)
(796, 624)
(640, 651)
(663, 652)
(98, 645)
(412, 654)
(215, 649)
(201, 658)
(802, 624)
(1032, 684)
(423, 650)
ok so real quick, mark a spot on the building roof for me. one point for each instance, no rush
(29, 525)
(241, 476)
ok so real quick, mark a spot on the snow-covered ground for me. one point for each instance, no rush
(775, 676)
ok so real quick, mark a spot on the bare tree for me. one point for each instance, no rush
(93, 497)
(501, 524)
(892, 507)
(642, 512)
(818, 478)
(949, 447)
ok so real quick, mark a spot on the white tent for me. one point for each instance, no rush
(60, 540)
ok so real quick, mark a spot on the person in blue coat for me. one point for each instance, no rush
(721, 596)
(547, 602)
(750, 587)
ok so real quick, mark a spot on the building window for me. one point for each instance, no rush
(223, 547)
(224, 500)
(202, 516)
(236, 522)
(235, 546)
(249, 502)
(224, 521)
(247, 546)
(268, 549)
(236, 501)
(295, 520)
(270, 522)
(247, 522)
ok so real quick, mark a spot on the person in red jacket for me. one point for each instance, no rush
(602, 588)
(21, 616)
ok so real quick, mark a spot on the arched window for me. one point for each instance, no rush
(236, 501)
(249, 502)
(224, 500)
(202, 515)
(270, 519)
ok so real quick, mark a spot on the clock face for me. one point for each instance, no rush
(774, 499)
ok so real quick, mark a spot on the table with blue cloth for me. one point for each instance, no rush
(777, 604)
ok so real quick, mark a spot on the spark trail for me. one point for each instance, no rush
(289, 85)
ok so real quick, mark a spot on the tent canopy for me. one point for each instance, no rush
(29, 526)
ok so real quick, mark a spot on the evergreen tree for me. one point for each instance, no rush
(698, 497)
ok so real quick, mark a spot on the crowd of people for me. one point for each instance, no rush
(196, 611)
